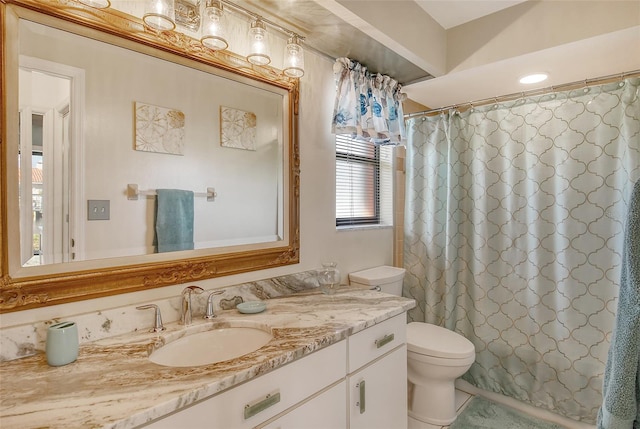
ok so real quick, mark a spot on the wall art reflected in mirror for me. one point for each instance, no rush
(99, 126)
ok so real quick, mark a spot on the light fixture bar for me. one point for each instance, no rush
(160, 15)
(264, 20)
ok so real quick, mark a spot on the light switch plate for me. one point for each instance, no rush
(97, 209)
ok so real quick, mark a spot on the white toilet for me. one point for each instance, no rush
(435, 356)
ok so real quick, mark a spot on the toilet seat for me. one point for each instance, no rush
(432, 340)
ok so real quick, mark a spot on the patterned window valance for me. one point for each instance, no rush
(368, 106)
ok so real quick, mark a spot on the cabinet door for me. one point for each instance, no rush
(378, 393)
(327, 410)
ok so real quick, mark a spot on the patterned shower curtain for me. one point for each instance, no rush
(513, 236)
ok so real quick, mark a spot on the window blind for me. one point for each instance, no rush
(357, 182)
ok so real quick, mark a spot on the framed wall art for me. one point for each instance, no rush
(159, 129)
(237, 128)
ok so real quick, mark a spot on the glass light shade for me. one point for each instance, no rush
(259, 50)
(98, 4)
(293, 58)
(214, 26)
(160, 15)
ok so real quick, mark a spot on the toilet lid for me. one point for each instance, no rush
(431, 340)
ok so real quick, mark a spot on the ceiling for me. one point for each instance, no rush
(452, 13)
(328, 32)
(449, 52)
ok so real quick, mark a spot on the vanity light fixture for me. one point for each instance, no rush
(160, 15)
(293, 58)
(533, 78)
(259, 48)
(214, 29)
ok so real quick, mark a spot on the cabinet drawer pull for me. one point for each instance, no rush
(260, 405)
(385, 340)
(361, 400)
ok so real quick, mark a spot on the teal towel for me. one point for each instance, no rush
(621, 391)
(174, 220)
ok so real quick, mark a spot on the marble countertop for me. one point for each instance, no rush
(114, 385)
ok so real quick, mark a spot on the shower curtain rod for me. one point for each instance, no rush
(532, 92)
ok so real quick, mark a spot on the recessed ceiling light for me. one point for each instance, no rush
(533, 78)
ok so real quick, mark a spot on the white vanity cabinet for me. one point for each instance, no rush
(377, 379)
(358, 383)
(258, 400)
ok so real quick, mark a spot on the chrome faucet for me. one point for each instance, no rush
(209, 313)
(186, 308)
(157, 326)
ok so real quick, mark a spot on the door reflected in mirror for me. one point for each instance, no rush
(44, 166)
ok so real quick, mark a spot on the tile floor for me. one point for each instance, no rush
(462, 399)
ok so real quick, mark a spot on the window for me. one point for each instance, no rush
(363, 182)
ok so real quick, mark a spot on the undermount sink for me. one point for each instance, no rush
(209, 347)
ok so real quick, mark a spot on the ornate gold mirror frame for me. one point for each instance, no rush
(25, 292)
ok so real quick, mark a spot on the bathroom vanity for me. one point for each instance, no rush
(334, 361)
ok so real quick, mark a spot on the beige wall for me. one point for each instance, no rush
(399, 206)
(404, 27)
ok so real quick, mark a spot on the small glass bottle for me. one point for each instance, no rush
(329, 278)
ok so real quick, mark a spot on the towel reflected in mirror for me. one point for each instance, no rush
(173, 220)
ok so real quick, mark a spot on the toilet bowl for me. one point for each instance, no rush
(436, 356)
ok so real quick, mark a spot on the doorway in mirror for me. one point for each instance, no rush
(48, 207)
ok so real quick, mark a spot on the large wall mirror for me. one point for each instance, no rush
(110, 132)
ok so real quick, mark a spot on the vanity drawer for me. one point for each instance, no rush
(373, 342)
(259, 399)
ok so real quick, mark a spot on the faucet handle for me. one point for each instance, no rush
(209, 313)
(193, 288)
(185, 315)
(157, 326)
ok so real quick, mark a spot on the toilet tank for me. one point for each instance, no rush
(388, 279)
